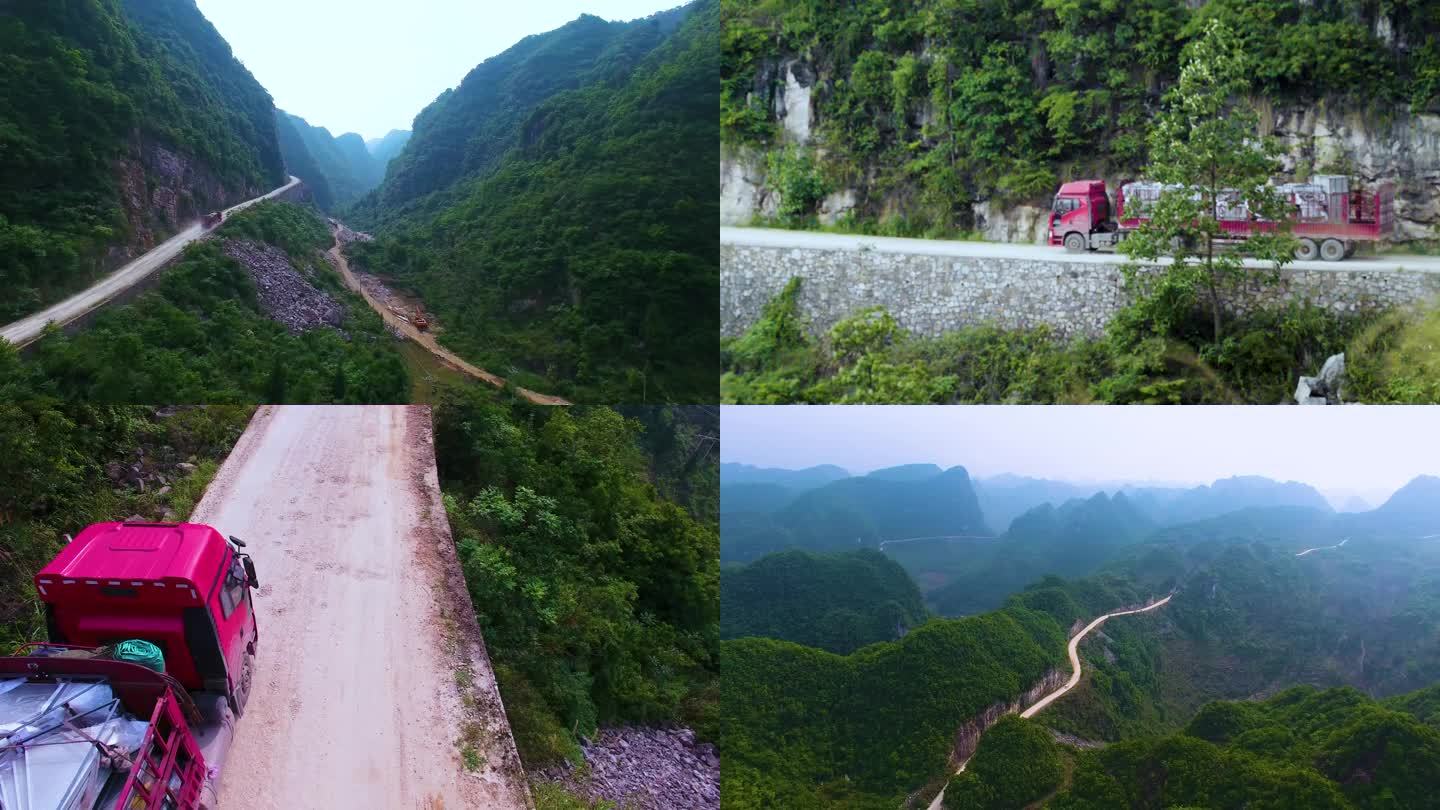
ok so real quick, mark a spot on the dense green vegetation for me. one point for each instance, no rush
(90, 82)
(54, 480)
(199, 335)
(1016, 763)
(837, 602)
(582, 261)
(935, 105)
(869, 358)
(1304, 748)
(805, 728)
(338, 170)
(599, 597)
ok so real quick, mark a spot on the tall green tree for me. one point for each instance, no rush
(1205, 149)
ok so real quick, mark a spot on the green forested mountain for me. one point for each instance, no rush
(385, 149)
(1304, 748)
(863, 511)
(465, 132)
(837, 602)
(803, 728)
(1073, 540)
(119, 123)
(1414, 507)
(573, 246)
(339, 169)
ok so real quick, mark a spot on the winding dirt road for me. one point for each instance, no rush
(365, 623)
(1075, 673)
(1322, 548)
(27, 329)
(425, 339)
(1074, 650)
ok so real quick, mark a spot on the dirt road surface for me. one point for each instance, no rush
(775, 237)
(1075, 672)
(404, 327)
(364, 622)
(27, 329)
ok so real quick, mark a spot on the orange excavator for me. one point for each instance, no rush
(421, 322)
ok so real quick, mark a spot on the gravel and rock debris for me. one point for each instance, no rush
(647, 769)
(285, 296)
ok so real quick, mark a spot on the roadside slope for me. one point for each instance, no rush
(27, 329)
(363, 633)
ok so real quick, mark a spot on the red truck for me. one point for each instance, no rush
(214, 218)
(83, 729)
(1329, 217)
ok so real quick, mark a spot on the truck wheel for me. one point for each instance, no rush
(1331, 250)
(1075, 242)
(1306, 250)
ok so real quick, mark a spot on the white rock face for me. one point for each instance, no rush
(1021, 223)
(793, 106)
(837, 204)
(1405, 150)
(743, 194)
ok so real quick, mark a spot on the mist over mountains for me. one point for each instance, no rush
(970, 543)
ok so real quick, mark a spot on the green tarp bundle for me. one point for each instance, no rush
(140, 652)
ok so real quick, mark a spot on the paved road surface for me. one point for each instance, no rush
(1075, 672)
(774, 237)
(426, 339)
(355, 703)
(27, 329)
(1074, 651)
(1322, 548)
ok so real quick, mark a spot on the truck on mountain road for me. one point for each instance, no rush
(1329, 216)
(83, 726)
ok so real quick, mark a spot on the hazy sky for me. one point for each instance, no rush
(1354, 449)
(369, 66)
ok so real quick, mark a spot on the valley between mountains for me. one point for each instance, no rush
(1036, 642)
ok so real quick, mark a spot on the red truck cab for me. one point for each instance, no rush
(1080, 208)
(179, 586)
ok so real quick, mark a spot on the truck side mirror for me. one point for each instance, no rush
(249, 564)
(237, 541)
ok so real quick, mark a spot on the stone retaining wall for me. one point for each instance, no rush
(930, 295)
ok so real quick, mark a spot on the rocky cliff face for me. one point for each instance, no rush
(161, 191)
(967, 737)
(1390, 144)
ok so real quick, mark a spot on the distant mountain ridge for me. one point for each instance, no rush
(808, 478)
(846, 513)
(339, 169)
